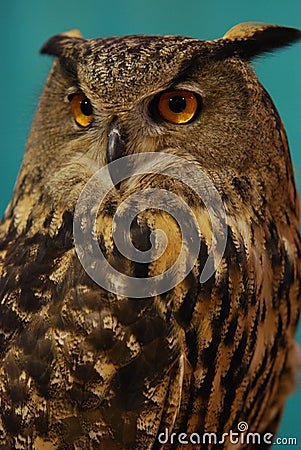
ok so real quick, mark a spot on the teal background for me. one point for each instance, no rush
(26, 25)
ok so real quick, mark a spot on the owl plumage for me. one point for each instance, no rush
(85, 368)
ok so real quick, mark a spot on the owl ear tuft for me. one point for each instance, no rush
(63, 45)
(251, 39)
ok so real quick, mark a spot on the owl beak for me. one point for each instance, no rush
(115, 150)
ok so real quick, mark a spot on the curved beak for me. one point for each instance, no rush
(115, 150)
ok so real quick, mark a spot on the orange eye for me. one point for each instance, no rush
(178, 107)
(82, 110)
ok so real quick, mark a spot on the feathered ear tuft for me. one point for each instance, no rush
(251, 39)
(63, 45)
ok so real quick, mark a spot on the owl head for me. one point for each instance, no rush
(111, 97)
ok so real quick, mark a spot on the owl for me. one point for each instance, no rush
(97, 353)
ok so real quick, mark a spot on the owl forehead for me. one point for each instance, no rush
(133, 65)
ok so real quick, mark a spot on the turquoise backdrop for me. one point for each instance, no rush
(26, 25)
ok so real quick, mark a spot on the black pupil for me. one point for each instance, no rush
(177, 104)
(86, 107)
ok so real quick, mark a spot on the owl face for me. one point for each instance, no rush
(171, 94)
(138, 80)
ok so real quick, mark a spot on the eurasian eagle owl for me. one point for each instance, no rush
(100, 353)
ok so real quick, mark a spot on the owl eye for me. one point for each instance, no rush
(81, 109)
(178, 107)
